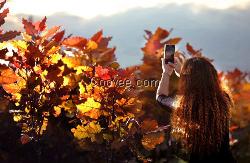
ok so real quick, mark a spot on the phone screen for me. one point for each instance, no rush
(169, 51)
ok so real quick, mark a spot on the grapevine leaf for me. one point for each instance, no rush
(76, 42)
(29, 27)
(9, 35)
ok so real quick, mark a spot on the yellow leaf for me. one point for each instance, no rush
(14, 87)
(88, 131)
(81, 88)
(57, 111)
(26, 37)
(81, 69)
(37, 69)
(55, 58)
(53, 50)
(21, 45)
(17, 118)
(91, 45)
(88, 105)
(44, 125)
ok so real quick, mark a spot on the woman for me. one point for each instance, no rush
(200, 117)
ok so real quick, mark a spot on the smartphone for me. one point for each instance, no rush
(169, 51)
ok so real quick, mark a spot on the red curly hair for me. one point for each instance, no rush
(202, 118)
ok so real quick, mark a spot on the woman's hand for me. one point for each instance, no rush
(167, 68)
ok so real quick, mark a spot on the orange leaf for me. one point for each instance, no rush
(8, 76)
(192, 51)
(150, 141)
(173, 41)
(149, 125)
(76, 42)
(50, 32)
(154, 42)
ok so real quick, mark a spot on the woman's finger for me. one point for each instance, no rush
(171, 64)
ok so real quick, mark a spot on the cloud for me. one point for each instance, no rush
(90, 9)
(224, 35)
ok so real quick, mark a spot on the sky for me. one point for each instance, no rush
(219, 27)
(91, 8)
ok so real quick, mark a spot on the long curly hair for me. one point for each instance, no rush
(202, 118)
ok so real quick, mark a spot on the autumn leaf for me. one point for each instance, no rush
(58, 36)
(76, 42)
(97, 37)
(26, 37)
(25, 139)
(88, 131)
(9, 35)
(192, 51)
(93, 113)
(101, 72)
(8, 76)
(149, 125)
(150, 141)
(29, 27)
(50, 32)
(88, 105)
(41, 25)
(17, 118)
(154, 41)
(91, 45)
(104, 42)
(173, 41)
(81, 88)
(2, 3)
(107, 57)
(3, 15)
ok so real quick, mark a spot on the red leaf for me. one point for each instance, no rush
(155, 41)
(41, 25)
(29, 27)
(149, 125)
(193, 52)
(3, 53)
(59, 36)
(97, 37)
(25, 139)
(77, 42)
(104, 42)
(190, 49)
(101, 72)
(3, 15)
(2, 4)
(9, 35)
(232, 128)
